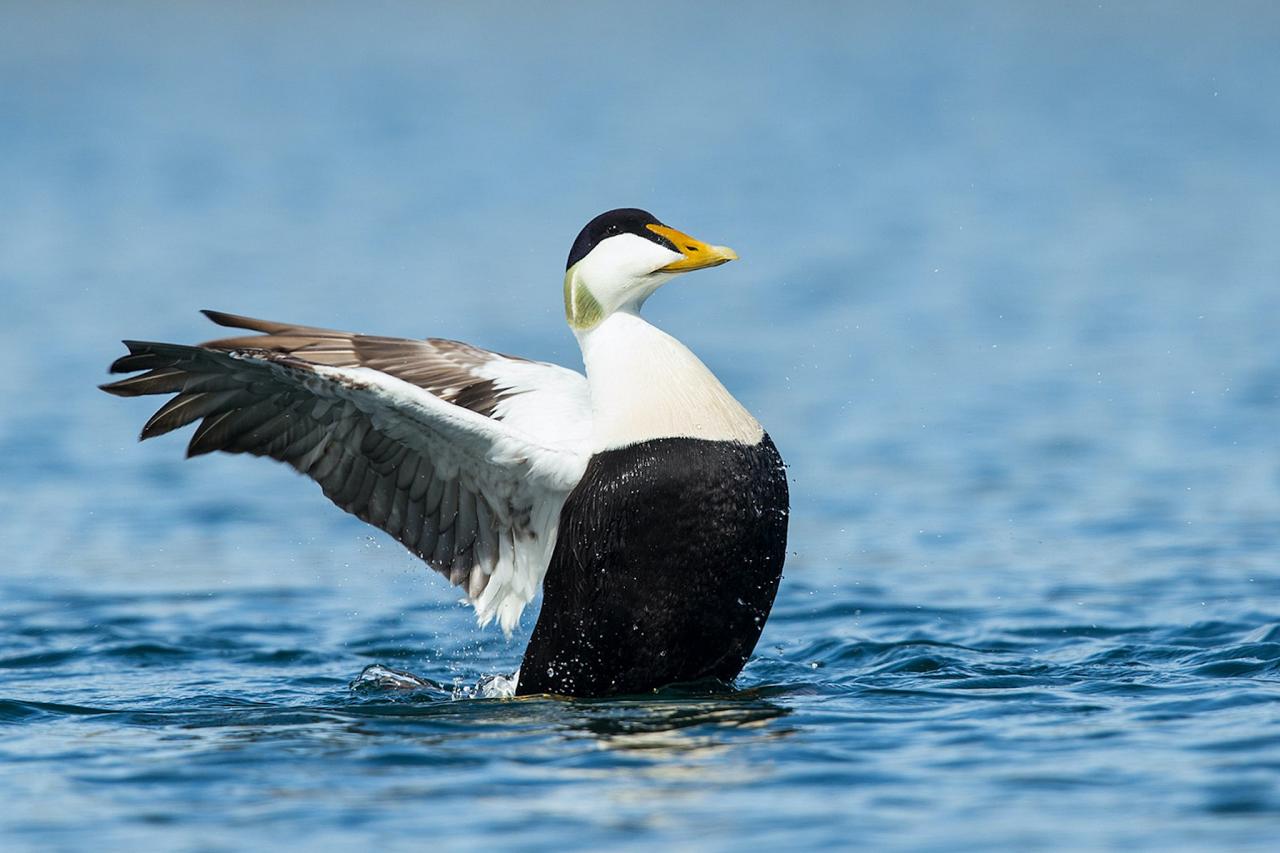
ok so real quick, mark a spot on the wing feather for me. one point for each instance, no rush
(463, 455)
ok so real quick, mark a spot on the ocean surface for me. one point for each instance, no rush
(1009, 304)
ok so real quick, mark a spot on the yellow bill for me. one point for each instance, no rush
(697, 254)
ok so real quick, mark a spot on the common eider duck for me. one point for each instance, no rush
(646, 502)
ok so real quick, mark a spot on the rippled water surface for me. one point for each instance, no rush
(1008, 304)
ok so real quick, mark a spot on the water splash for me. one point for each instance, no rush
(379, 678)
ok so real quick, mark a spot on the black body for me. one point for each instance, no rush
(667, 562)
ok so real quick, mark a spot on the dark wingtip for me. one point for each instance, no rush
(116, 367)
(242, 322)
(129, 363)
(230, 321)
(196, 447)
(121, 364)
(121, 388)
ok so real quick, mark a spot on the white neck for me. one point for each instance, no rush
(645, 384)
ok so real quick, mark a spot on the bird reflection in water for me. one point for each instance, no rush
(699, 717)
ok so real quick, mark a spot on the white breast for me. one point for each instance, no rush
(645, 384)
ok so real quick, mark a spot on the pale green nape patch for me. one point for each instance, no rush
(581, 308)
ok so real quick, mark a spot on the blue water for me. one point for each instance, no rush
(1009, 304)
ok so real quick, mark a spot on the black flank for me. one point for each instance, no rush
(665, 569)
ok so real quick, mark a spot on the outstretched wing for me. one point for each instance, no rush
(463, 455)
